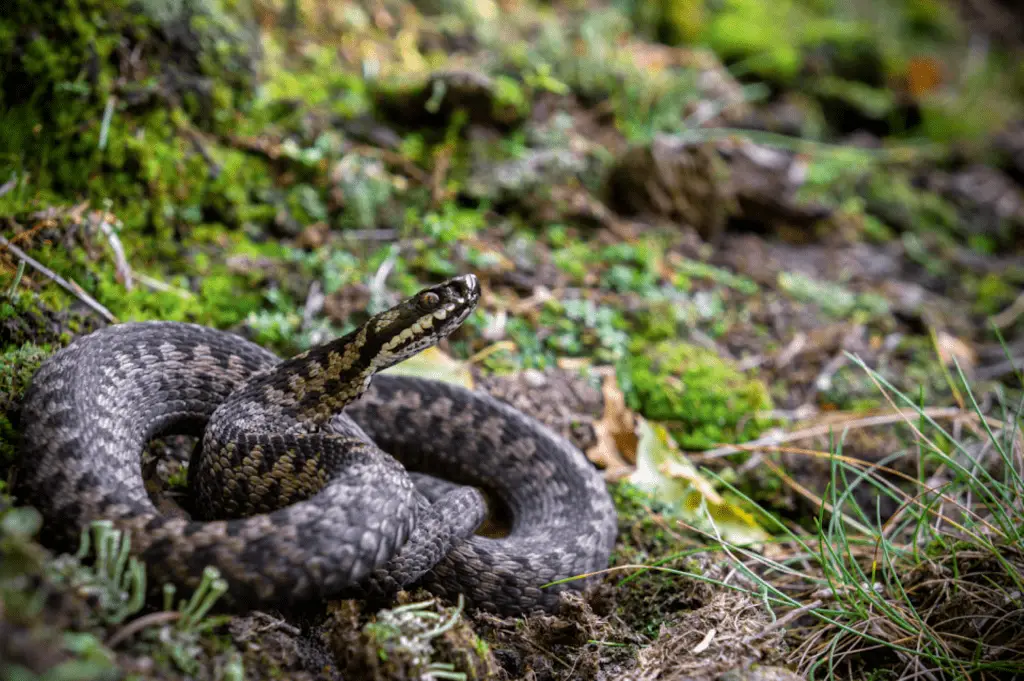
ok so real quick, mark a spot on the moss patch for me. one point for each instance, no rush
(703, 398)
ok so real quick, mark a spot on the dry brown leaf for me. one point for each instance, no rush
(950, 347)
(617, 441)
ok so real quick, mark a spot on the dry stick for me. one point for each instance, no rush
(395, 159)
(1004, 319)
(785, 619)
(120, 260)
(9, 184)
(67, 285)
(144, 622)
(442, 160)
(158, 285)
(852, 423)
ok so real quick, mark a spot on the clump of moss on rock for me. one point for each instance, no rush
(704, 399)
(29, 332)
(61, 64)
(17, 366)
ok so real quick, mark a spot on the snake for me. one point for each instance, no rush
(315, 477)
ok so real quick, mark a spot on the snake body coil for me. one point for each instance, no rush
(295, 499)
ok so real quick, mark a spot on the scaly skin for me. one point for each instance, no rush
(294, 502)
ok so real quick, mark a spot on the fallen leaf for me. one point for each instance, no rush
(665, 474)
(950, 347)
(615, 450)
(924, 74)
(435, 364)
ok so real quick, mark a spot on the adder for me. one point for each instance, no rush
(301, 488)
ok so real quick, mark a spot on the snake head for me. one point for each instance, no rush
(422, 320)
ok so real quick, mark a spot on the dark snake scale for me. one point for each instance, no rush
(311, 482)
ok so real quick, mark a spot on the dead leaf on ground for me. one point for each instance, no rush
(616, 446)
(950, 348)
(434, 364)
(663, 472)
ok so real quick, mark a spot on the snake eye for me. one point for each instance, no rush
(430, 298)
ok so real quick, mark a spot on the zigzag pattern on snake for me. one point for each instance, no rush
(297, 496)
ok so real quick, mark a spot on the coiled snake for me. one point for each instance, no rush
(293, 499)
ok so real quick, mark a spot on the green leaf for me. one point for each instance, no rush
(666, 475)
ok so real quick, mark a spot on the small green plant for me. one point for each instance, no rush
(115, 579)
(115, 582)
(182, 641)
(367, 187)
(17, 366)
(834, 299)
(694, 269)
(937, 588)
(403, 639)
(579, 327)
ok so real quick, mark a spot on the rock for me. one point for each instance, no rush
(710, 185)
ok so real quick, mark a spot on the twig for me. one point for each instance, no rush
(68, 285)
(144, 622)
(199, 143)
(18, 274)
(380, 276)
(273, 623)
(314, 304)
(9, 184)
(395, 159)
(124, 270)
(158, 285)
(823, 381)
(443, 160)
(816, 431)
(1008, 316)
(383, 234)
(704, 642)
(108, 115)
(792, 349)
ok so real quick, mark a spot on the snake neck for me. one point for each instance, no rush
(323, 380)
(316, 385)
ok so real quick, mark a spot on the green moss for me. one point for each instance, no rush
(642, 539)
(893, 198)
(703, 398)
(621, 267)
(873, 102)
(172, 191)
(572, 259)
(773, 39)
(60, 71)
(834, 176)
(993, 293)
(321, 80)
(510, 102)
(18, 364)
(951, 115)
(694, 269)
(760, 34)
(683, 20)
